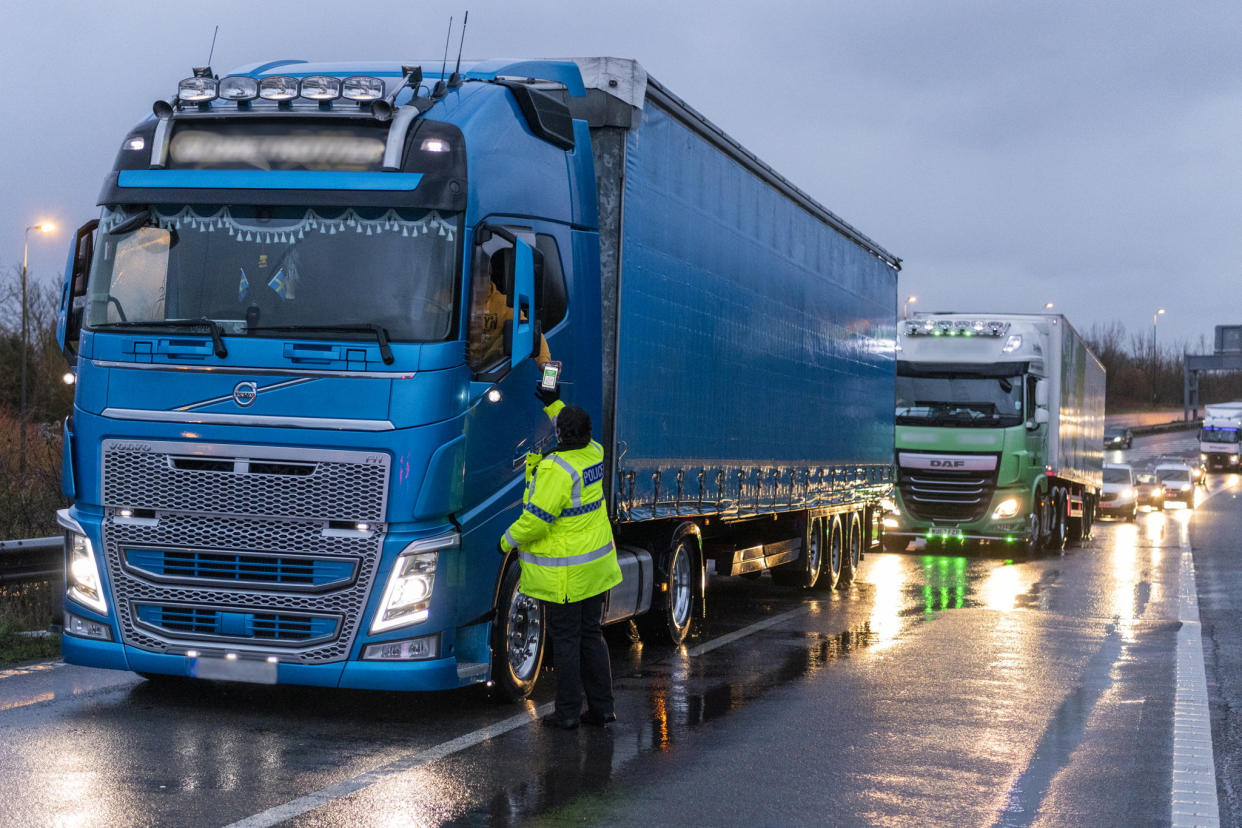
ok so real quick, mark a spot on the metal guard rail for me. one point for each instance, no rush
(31, 559)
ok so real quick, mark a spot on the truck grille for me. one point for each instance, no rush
(942, 495)
(245, 547)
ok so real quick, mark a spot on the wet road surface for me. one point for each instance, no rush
(937, 689)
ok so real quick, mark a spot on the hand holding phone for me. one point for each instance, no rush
(551, 376)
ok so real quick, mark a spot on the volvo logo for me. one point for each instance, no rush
(245, 393)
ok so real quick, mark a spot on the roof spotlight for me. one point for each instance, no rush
(278, 88)
(197, 89)
(239, 88)
(321, 87)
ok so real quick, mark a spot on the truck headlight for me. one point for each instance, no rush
(82, 570)
(889, 505)
(408, 594)
(1007, 508)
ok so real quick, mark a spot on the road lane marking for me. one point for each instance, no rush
(316, 799)
(299, 806)
(41, 667)
(729, 638)
(1194, 768)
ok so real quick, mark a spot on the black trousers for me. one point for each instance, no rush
(580, 656)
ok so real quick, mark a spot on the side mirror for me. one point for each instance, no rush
(1041, 415)
(69, 319)
(1041, 393)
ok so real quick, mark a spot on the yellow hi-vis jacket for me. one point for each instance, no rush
(563, 537)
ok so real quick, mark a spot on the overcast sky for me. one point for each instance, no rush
(1011, 153)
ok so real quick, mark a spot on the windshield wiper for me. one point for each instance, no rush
(217, 340)
(381, 333)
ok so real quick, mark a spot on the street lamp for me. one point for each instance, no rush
(905, 309)
(1047, 306)
(1155, 317)
(42, 227)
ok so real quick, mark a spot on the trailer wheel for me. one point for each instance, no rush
(852, 559)
(671, 610)
(804, 571)
(518, 639)
(830, 570)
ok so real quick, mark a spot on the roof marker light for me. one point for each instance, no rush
(434, 145)
(1013, 343)
(136, 143)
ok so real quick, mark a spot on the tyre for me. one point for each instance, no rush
(804, 571)
(519, 639)
(1133, 516)
(1030, 546)
(671, 611)
(834, 551)
(851, 560)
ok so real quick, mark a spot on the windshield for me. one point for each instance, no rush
(1173, 475)
(255, 268)
(1116, 475)
(979, 402)
(1219, 435)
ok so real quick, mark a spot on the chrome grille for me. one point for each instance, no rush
(258, 481)
(184, 508)
(942, 495)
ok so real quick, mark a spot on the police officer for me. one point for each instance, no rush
(569, 561)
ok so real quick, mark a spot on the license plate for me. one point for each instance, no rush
(227, 669)
(943, 532)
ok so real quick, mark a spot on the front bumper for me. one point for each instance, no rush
(432, 674)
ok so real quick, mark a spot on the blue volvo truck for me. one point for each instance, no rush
(305, 329)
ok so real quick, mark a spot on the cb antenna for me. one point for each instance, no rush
(211, 52)
(440, 89)
(455, 79)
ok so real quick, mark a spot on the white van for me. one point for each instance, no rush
(1117, 496)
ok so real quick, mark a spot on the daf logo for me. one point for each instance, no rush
(935, 464)
(245, 393)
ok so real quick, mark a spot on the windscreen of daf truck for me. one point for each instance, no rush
(960, 396)
(264, 270)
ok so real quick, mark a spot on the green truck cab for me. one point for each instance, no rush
(999, 429)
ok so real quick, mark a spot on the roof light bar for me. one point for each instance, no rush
(966, 328)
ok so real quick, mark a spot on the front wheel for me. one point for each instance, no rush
(671, 611)
(518, 639)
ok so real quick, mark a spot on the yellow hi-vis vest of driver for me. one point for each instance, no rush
(563, 537)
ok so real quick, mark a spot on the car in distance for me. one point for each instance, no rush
(1198, 469)
(1117, 496)
(1147, 491)
(1177, 485)
(1118, 437)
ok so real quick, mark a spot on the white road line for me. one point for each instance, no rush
(1194, 769)
(311, 801)
(728, 638)
(299, 806)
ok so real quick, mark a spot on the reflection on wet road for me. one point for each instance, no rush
(938, 688)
